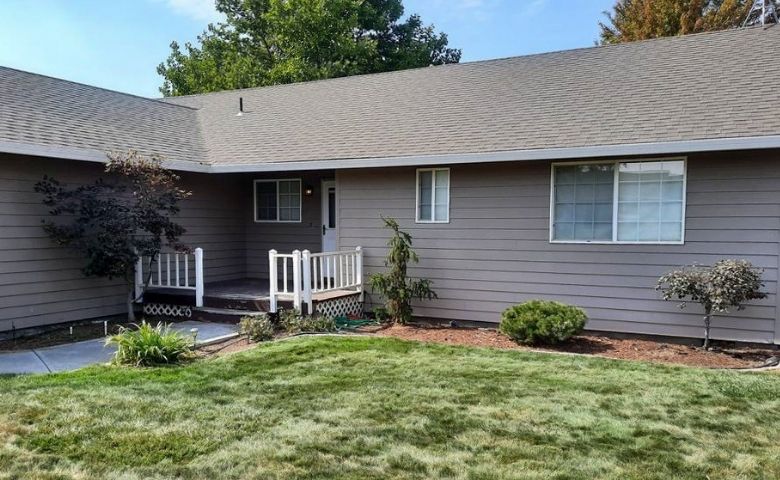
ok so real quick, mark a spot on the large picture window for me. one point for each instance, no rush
(433, 195)
(278, 200)
(622, 202)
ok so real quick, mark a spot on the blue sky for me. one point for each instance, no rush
(117, 44)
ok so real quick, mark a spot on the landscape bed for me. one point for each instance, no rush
(360, 407)
(629, 347)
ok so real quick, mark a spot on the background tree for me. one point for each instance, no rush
(726, 284)
(632, 20)
(394, 285)
(115, 219)
(267, 42)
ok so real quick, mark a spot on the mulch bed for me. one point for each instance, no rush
(223, 348)
(724, 356)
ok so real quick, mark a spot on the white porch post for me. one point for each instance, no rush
(306, 260)
(139, 277)
(360, 271)
(272, 279)
(198, 277)
(296, 279)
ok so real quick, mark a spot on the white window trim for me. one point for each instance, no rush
(417, 218)
(278, 203)
(617, 163)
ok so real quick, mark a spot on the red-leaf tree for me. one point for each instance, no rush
(726, 284)
(111, 222)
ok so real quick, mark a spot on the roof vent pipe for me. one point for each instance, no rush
(240, 106)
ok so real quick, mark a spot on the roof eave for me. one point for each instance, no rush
(617, 150)
(86, 155)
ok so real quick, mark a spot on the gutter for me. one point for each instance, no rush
(626, 149)
(87, 155)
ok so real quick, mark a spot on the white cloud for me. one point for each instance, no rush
(202, 10)
(480, 10)
(467, 4)
(532, 7)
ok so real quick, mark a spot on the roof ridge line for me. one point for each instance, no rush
(172, 99)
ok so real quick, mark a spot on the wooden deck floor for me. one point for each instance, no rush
(240, 294)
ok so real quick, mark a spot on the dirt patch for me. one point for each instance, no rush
(735, 356)
(228, 346)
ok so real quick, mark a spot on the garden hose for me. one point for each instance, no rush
(346, 323)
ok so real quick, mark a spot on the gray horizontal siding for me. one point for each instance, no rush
(493, 253)
(495, 250)
(283, 237)
(41, 283)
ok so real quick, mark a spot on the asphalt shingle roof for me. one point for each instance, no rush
(41, 110)
(704, 86)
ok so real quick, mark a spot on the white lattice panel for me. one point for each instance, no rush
(340, 307)
(165, 310)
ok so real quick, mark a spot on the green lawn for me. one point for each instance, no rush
(383, 408)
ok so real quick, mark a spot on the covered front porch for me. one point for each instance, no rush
(259, 242)
(173, 284)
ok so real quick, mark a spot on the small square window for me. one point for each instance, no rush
(278, 200)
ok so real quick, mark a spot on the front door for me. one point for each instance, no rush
(328, 216)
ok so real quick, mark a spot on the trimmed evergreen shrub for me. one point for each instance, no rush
(147, 345)
(542, 321)
(258, 328)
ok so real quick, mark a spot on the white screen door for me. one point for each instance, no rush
(329, 216)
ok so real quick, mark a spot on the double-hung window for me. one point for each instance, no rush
(433, 195)
(621, 202)
(278, 200)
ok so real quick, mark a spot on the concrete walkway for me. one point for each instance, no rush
(72, 356)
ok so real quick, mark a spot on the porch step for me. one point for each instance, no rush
(222, 314)
(245, 304)
(224, 302)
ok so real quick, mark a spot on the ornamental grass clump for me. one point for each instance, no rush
(146, 346)
(542, 322)
(726, 284)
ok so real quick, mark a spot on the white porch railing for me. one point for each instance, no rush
(177, 270)
(304, 274)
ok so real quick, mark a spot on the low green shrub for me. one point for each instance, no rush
(381, 314)
(293, 322)
(258, 328)
(542, 321)
(146, 345)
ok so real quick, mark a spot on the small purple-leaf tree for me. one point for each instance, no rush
(726, 284)
(117, 219)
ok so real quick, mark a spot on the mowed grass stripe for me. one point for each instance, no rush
(358, 408)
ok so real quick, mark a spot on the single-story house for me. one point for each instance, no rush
(579, 176)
